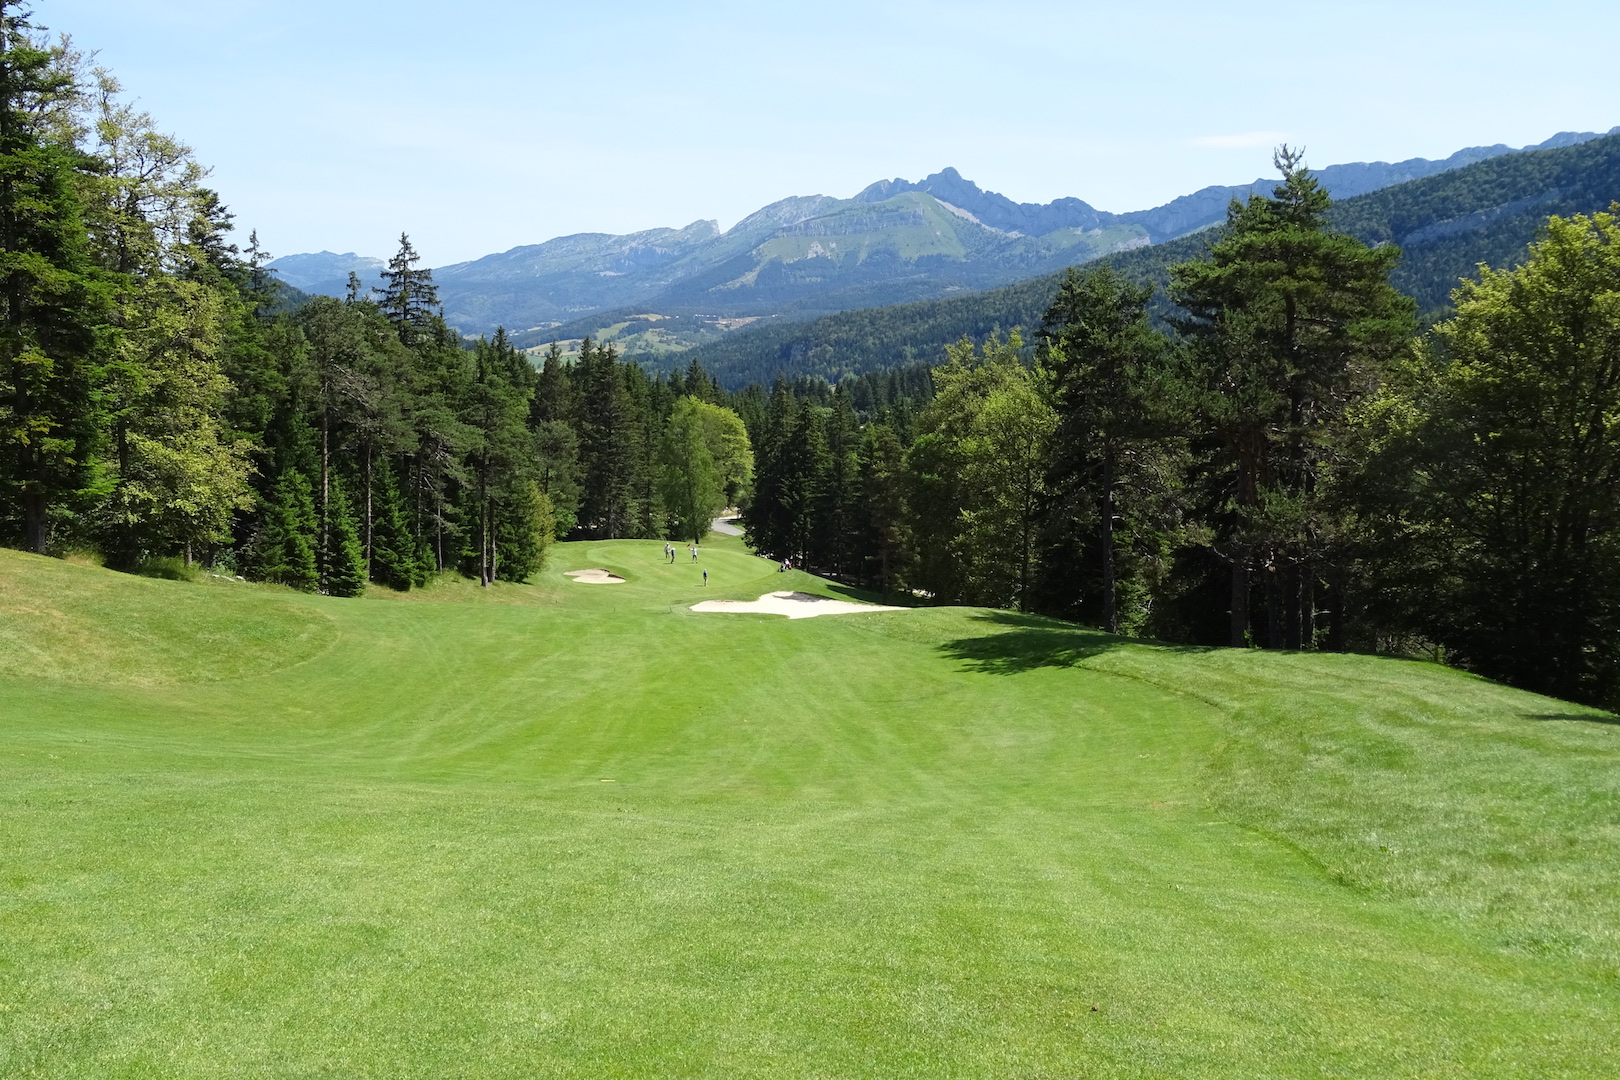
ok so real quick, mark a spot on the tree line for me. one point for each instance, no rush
(158, 402)
(1285, 462)
(1290, 464)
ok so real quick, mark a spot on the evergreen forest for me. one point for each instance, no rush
(1252, 437)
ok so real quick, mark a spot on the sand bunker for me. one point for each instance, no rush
(795, 605)
(597, 576)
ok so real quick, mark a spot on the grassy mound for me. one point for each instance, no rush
(574, 830)
(82, 624)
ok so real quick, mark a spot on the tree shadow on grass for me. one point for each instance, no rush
(1584, 717)
(1031, 642)
(844, 591)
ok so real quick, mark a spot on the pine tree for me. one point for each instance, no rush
(1287, 323)
(1111, 395)
(342, 560)
(524, 528)
(650, 405)
(836, 542)
(882, 513)
(804, 469)
(393, 548)
(408, 297)
(500, 451)
(766, 520)
(607, 444)
(51, 301)
(283, 552)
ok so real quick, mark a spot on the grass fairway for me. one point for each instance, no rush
(576, 830)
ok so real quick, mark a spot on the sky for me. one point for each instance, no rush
(483, 125)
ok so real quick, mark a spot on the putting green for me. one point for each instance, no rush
(247, 832)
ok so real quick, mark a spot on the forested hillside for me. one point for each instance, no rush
(1445, 225)
(1279, 460)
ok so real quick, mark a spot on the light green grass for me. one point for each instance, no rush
(286, 836)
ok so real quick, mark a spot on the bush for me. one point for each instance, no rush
(168, 567)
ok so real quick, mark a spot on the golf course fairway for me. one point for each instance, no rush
(580, 830)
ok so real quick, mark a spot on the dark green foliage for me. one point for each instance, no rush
(881, 512)
(408, 297)
(1489, 493)
(500, 455)
(524, 530)
(342, 560)
(52, 300)
(1115, 454)
(608, 438)
(1286, 323)
(393, 547)
(804, 465)
(283, 551)
(873, 340)
(836, 529)
(766, 520)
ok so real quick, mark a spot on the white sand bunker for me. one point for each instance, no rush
(597, 576)
(795, 605)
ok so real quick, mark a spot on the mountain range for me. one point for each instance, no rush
(1446, 226)
(896, 241)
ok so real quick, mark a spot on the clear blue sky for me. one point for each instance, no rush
(481, 125)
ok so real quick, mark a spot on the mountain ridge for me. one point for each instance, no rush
(1446, 223)
(805, 256)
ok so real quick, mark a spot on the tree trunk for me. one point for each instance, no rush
(1273, 606)
(1336, 618)
(483, 529)
(1240, 604)
(416, 498)
(1292, 586)
(367, 465)
(34, 533)
(1110, 603)
(28, 466)
(326, 460)
(1023, 558)
(1307, 607)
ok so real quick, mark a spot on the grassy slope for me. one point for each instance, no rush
(924, 843)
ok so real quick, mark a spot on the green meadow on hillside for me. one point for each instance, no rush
(581, 830)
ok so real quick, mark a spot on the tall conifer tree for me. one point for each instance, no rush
(408, 296)
(342, 561)
(51, 299)
(1287, 322)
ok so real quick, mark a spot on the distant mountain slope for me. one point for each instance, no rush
(894, 242)
(802, 256)
(1447, 224)
(327, 274)
(1188, 212)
